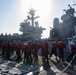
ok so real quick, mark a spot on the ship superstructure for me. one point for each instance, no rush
(30, 27)
(66, 28)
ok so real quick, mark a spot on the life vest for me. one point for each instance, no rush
(43, 46)
(24, 45)
(61, 44)
(36, 45)
(46, 44)
(12, 44)
(29, 47)
(55, 44)
(3, 44)
(73, 49)
(18, 45)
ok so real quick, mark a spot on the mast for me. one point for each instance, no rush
(32, 16)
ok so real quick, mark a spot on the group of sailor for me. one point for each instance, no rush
(29, 51)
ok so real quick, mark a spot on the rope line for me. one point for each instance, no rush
(68, 64)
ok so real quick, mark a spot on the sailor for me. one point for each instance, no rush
(35, 46)
(43, 48)
(18, 51)
(29, 57)
(61, 47)
(12, 47)
(73, 51)
(46, 51)
(54, 49)
(3, 49)
(40, 62)
(7, 50)
(24, 49)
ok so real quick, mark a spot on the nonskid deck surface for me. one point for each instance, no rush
(54, 67)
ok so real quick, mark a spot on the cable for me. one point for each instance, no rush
(68, 65)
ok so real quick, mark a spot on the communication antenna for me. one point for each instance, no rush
(74, 6)
(74, 3)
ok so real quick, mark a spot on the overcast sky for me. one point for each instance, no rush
(13, 12)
